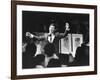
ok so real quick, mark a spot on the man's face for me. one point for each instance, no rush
(51, 28)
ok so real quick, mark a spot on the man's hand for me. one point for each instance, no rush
(28, 34)
(67, 26)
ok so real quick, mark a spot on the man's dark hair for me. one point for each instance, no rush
(39, 59)
(31, 49)
(54, 63)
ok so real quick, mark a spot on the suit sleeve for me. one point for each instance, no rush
(63, 34)
(39, 38)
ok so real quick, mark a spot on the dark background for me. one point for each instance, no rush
(33, 21)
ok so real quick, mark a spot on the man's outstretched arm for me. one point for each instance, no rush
(66, 31)
(30, 35)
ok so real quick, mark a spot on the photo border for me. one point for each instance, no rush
(14, 39)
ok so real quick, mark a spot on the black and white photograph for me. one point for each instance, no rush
(54, 40)
(42, 34)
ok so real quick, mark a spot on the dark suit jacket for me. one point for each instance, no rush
(58, 36)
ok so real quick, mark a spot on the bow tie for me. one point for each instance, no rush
(50, 38)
